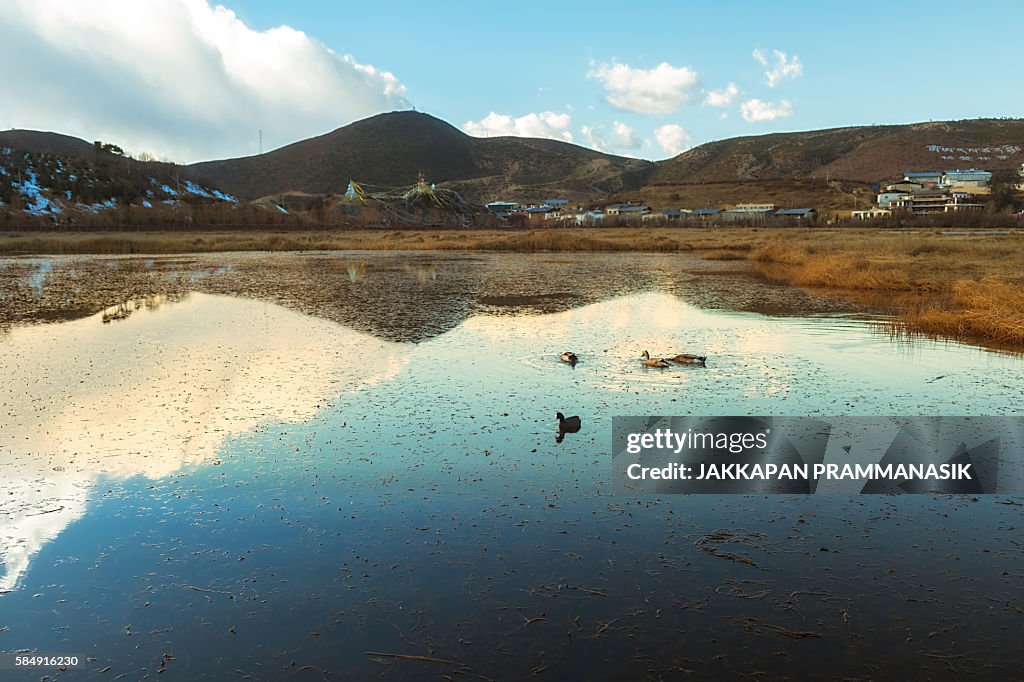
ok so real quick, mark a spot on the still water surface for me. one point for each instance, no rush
(282, 467)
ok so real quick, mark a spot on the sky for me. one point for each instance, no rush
(190, 80)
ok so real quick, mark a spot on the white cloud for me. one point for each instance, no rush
(624, 137)
(546, 124)
(754, 110)
(177, 77)
(660, 90)
(722, 98)
(621, 139)
(673, 138)
(594, 138)
(783, 67)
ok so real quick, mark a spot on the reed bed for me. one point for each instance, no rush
(659, 240)
(965, 287)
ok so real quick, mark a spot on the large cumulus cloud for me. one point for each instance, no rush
(178, 78)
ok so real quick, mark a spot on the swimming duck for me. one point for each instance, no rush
(652, 362)
(570, 358)
(687, 359)
(567, 424)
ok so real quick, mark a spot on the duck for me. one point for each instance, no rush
(566, 425)
(570, 358)
(652, 362)
(688, 359)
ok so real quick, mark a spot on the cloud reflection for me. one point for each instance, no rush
(158, 391)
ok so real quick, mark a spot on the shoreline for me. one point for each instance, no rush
(962, 285)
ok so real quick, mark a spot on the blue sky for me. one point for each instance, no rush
(641, 79)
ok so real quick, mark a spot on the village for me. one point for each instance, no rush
(917, 193)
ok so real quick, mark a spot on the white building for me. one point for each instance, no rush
(967, 179)
(885, 199)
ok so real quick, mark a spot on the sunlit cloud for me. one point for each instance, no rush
(755, 110)
(546, 124)
(594, 138)
(779, 67)
(624, 137)
(661, 90)
(722, 98)
(673, 138)
(621, 138)
(177, 78)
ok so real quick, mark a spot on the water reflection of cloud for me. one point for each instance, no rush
(37, 277)
(660, 317)
(610, 336)
(421, 273)
(152, 394)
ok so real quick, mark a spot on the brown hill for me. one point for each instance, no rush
(832, 197)
(864, 154)
(39, 142)
(393, 149)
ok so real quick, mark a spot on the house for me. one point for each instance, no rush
(502, 207)
(923, 177)
(753, 208)
(663, 216)
(749, 212)
(588, 218)
(557, 203)
(796, 213)
(536, 215)
(885, 199)
(706, 213)
(634, 210)
(967, 179)
(628, 212)
(903, 186)
(626, 209)
(872, 213)
(933, 201)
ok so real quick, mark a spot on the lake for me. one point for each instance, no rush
(344, 466)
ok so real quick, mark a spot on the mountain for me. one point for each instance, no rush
(39, 142)
(392, 150)
(50, 177)
(864, 154)
(53, 178)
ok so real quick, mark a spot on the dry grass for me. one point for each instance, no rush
(962, 287)
(990, 310)
(725, 254)
(589, 239)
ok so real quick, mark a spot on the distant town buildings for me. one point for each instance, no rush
(931, 192)
(917, 192)
(558, 212)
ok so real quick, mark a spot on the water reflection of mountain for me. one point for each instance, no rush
(414, 296)
(408, 296)
(61, 289)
